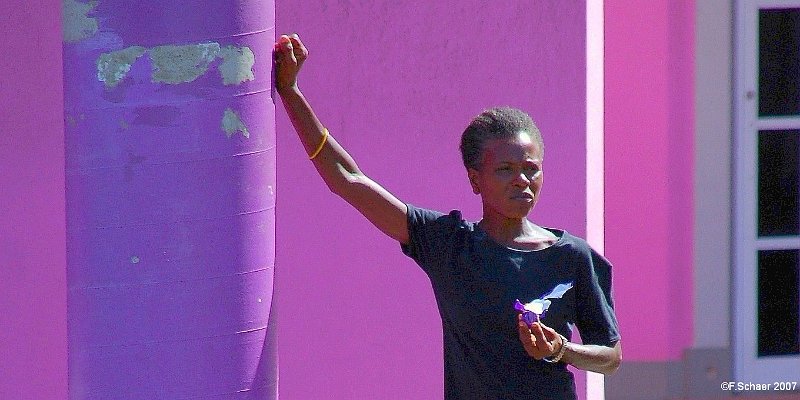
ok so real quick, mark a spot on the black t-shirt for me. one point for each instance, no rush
(476, 281)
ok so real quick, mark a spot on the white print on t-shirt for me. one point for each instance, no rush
(540, 305)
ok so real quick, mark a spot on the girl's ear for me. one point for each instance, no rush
(473, 180)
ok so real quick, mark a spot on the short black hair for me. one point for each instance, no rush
(495, 123)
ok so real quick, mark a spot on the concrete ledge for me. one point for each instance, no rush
(697, 375)
(705, 369)
(646, 381)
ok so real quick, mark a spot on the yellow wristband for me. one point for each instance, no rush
(321, 144)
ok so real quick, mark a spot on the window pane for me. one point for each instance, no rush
(778, 204)
(779, 62)
(778, 303)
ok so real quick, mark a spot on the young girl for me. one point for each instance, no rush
(479, 270)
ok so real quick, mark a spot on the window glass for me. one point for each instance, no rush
(778, 164)
(779, 62)
(778, 307)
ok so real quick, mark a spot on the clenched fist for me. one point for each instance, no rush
(289, 54)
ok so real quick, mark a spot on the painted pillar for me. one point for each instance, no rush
(649, 59)
(595, 171)
(170, 174)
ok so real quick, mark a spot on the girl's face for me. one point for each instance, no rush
(510, 178)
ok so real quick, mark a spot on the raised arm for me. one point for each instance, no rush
(337, 169)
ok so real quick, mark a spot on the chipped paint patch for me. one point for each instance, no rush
(237, 65)
(114, 66)
(231, 123)
(135, 260)
(182, 64)
(176, 64)
(77, 24)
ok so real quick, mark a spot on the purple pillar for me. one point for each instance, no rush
(170, 199)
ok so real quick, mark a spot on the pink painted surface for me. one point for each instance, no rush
(648, 132)
(396, 84)
(33, 328)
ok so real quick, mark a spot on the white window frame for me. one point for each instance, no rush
(748, 367)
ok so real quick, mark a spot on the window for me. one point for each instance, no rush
(766, 342)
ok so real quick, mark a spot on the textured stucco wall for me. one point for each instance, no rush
(396, 83)
(649, 125)
(33, 326)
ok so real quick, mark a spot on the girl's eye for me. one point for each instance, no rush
(532, 170)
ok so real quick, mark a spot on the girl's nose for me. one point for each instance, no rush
(522, 180)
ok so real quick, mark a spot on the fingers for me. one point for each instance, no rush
(550, 334)
(299, 50)
(292, 42)
(284, 51)
(287, 65)
(524, 331)
(287, 49)
(295, 39)
(539, 340)
(544, 345)
(528, 341)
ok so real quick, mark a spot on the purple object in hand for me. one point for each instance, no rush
(528, 316)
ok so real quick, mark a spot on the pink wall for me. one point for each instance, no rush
(649, 55)
(33, 337)
(396, 83)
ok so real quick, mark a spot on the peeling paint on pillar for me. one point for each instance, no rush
(182, 64)
(77, 24)
(170, 225)
(112, 67)
(176, 64)
(231, 123)
(237, 66)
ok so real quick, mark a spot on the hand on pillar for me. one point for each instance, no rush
(289, 53)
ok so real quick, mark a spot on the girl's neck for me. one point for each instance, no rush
(518, 233)
(507, 230)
